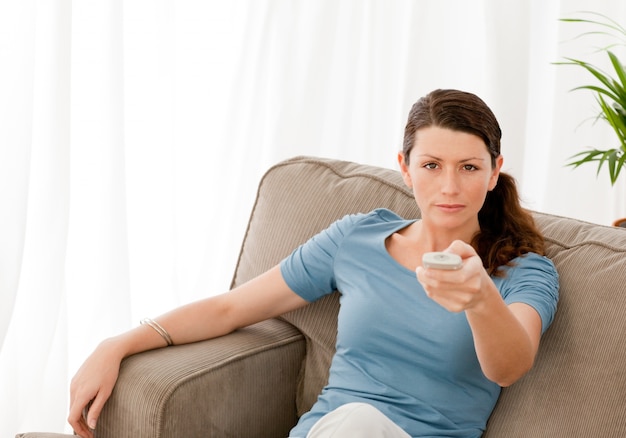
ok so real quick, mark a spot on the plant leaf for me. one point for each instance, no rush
(610, 93)
(611, 90)
(608, 23)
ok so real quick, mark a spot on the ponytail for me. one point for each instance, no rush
(507, 230)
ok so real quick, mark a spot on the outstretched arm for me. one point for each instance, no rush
(506, 337)
(261, 298)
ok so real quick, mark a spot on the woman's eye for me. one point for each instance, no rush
(469, 167)
(430, 165)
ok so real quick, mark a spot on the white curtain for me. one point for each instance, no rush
(133, 135)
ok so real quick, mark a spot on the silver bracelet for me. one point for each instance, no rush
(159, 329)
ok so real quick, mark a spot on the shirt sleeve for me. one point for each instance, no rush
(533, 280)
(309, 269)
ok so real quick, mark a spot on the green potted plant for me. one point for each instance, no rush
(610, 93)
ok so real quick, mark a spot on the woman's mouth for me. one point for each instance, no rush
(450, 208)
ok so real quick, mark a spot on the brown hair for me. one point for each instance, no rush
(507, 230)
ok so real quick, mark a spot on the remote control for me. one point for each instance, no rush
(441, 260)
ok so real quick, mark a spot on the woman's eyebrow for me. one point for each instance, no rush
(433, 157)
(471, 159)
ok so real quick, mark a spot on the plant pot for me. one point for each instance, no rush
(620, 223)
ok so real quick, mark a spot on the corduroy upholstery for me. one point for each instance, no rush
(255, 382)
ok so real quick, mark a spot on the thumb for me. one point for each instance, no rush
(464, 250)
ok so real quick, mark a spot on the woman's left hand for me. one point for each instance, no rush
(460, 289)
(506, 337)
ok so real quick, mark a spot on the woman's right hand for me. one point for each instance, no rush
(91, 387)
(264, 297)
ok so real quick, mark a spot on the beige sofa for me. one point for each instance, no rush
(255, 382)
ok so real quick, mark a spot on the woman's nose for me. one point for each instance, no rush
(450, 182)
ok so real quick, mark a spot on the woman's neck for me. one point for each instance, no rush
(432, 237)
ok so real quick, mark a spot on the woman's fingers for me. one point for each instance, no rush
(91, 387)
(93, 411)
(77, 418)
(455, 290)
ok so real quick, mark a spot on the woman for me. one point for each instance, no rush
(420, 351)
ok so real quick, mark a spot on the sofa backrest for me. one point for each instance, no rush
(577, 387)
(578, 383)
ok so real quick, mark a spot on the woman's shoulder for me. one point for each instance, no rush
(377, 218)
(532, 259)
(384, 215)
(534, 280)
(531, 265)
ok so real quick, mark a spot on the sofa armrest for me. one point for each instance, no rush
(242, 384)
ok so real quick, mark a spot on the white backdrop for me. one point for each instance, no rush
(133, 135)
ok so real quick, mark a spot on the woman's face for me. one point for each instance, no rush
(450, 173)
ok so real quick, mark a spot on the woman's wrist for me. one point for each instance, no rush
(116, 347)
(141, 338)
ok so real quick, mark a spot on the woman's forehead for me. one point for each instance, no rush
(436, 138)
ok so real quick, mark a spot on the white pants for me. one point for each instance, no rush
(356, 420)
